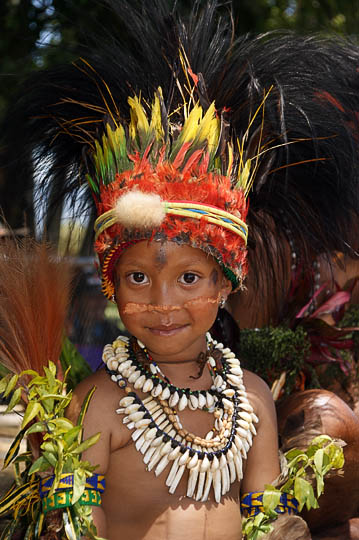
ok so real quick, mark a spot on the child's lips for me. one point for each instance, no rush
(167, 330)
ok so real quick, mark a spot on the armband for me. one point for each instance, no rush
(62, 497)
(252, 504)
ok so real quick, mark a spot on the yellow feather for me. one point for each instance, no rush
(156, 121)
(243, 177)
(190, 127)
(230, 159)
(209, 128)
(139, 122)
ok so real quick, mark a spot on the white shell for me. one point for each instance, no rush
(201, 480)
(215, 463)
(182, 404)
(174, 399)
(207, 486)
(140, 382)
(151, 434)
(134, 376)
(157, 390)
(192, 480)
(174, 453)
(193, 405)
(142, 423)
(193, 461)
(202, 402)
(126, 401)
(172, 473)
(166, 393)
(184, 458)
(135, 416)
(162, 465)
(217, 485)
(210, 399)
(236, 371)
(166, 448)
(124, 365)
(177, 479)
(112, 364)
(233, 379)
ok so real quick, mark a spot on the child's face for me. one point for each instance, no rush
(168, 296)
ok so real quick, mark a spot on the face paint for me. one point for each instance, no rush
(214, 276)
(161, 257)
(133, 307)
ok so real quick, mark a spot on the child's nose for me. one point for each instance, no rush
(163, 296)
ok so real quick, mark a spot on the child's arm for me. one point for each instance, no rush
(96, 419)
(262, 465)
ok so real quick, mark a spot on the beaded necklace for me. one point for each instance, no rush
(213, 461)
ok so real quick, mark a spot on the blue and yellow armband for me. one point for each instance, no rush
(252, 504)
(62, 497)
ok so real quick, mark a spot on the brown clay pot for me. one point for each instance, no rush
(301, 417)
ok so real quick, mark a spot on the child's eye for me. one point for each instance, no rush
(138, 277)
(188, 278)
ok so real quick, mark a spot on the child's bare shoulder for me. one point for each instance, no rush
(258, 392)
(104, 399)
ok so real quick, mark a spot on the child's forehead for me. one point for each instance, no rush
(159, 252)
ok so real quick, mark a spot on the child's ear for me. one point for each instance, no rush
(226, 287)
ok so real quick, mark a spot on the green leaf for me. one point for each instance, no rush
(318, 460)
(71, 435)
(38, 427)
(31, 372)
(32, 410)
(79, 484)
(4, 382)
(51, 458)
(86, 444)
(15, 399)
(40, 465)
(14, 448)
(85, 406)
(271, 499)
(304, 494)
(11, 385)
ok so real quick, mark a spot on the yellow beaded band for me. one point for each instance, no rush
(63, 499)
(185, 209)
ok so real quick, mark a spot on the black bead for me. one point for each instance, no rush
(166, 438)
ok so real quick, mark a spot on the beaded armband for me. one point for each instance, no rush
(62, 497)
(252, 504)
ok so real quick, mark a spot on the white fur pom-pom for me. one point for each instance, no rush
(137, 210)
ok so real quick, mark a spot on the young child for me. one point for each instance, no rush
(183, 431)
(168, 296)
(170, 174)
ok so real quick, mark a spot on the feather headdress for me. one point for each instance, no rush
(304, 144)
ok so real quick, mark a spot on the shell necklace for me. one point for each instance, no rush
(212, 462)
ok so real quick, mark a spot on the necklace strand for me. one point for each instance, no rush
(213, 461)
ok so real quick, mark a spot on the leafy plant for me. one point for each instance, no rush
(305, 481)
(58, 444)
